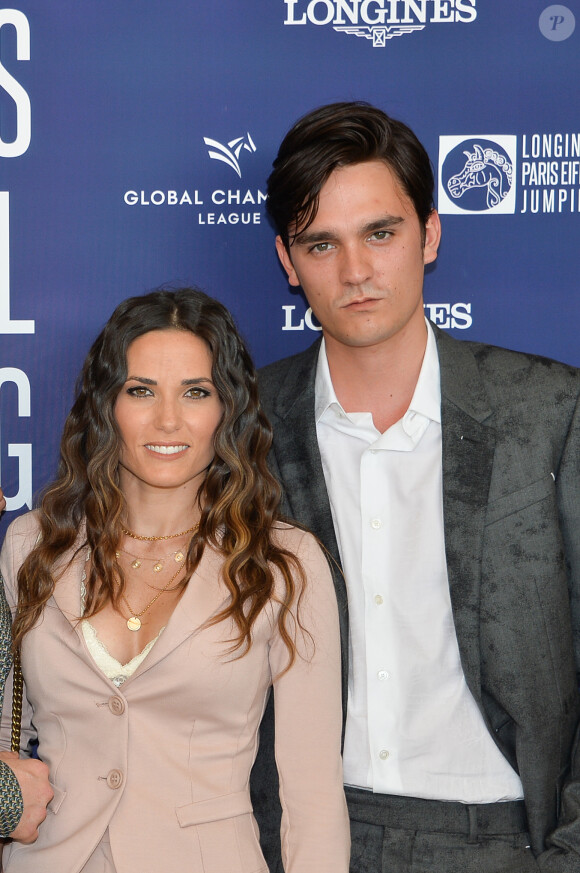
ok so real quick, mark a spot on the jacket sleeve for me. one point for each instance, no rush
(20, 539)
(315, 832)
(10, 795)
(563, 853)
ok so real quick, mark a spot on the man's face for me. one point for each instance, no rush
(361, 261)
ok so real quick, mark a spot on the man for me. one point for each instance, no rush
(444, 478)
(24, 788)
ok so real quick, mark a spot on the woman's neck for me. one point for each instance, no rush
(159, 512)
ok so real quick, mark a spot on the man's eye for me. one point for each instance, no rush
(380, 234)
(321, 247)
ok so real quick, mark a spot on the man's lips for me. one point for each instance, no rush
(360, 301)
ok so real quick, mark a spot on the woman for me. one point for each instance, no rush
(159, 596)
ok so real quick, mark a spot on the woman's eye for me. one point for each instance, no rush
(139, 391)
(197, 393)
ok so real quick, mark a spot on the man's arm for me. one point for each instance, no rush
(563, 854)
(24, 788)
(24, 796)
(2, 502)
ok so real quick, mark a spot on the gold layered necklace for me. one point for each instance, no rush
(134, 620)
(174, 536)
(158, 563)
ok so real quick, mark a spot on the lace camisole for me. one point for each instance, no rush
(115, 671)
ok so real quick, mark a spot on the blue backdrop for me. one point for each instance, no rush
(136, 138)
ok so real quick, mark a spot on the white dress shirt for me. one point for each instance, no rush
(413, 727)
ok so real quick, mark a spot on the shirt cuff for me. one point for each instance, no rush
(11, 806)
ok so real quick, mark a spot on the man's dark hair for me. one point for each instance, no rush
(335, 136)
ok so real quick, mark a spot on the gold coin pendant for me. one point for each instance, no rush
(134, 623)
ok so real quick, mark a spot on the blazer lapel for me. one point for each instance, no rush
(67, 590)
(203, 597)
(468, 451)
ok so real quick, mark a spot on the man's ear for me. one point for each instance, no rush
(432, 237)
(286, 262)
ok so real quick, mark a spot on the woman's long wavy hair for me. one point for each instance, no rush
(239, 498)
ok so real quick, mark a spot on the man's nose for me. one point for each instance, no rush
(355, 266)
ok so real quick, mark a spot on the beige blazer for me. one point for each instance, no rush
(164, 761)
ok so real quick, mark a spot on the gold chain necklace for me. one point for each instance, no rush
(135, 536)
(178, 557)
(134, 620)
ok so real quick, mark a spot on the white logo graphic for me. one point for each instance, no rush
(230, 153)
(380, 35)
(476, 174)
(22, 451)
(379, 20)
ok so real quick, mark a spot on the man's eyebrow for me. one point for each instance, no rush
(312, 237)
(384, 223)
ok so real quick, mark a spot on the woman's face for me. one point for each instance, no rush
(167, 411)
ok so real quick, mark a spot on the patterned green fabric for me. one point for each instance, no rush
(10, 794)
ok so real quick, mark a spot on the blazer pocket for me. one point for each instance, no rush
(214, 809)
(226, 833)
(56, 802)
(520, 499)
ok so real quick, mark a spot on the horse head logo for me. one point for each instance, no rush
(230, 153)
(485, 168)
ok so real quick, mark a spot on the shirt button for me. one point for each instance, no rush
(383, 674)
(378, 600)
(115, 779)
(383, 754)
(376, 523)
(116, 705)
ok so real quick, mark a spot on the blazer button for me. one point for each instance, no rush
(117, 705)
(115, 779)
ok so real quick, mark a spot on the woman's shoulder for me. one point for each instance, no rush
(23, 532)
(291, 537)
(20, 539)
(300, 542)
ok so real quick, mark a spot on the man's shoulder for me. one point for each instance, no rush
(273, 376)
(499, 366)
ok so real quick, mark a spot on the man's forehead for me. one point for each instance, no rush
(372, 182)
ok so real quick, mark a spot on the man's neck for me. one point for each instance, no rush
(379, 379)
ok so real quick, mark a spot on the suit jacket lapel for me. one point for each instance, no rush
(468, 450)
(296, 450)
(297, 456)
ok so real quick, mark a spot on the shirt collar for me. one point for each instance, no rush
(426, 400)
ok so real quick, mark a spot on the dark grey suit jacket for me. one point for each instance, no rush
(511, 501)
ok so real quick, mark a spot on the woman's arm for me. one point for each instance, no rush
(315, 828)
